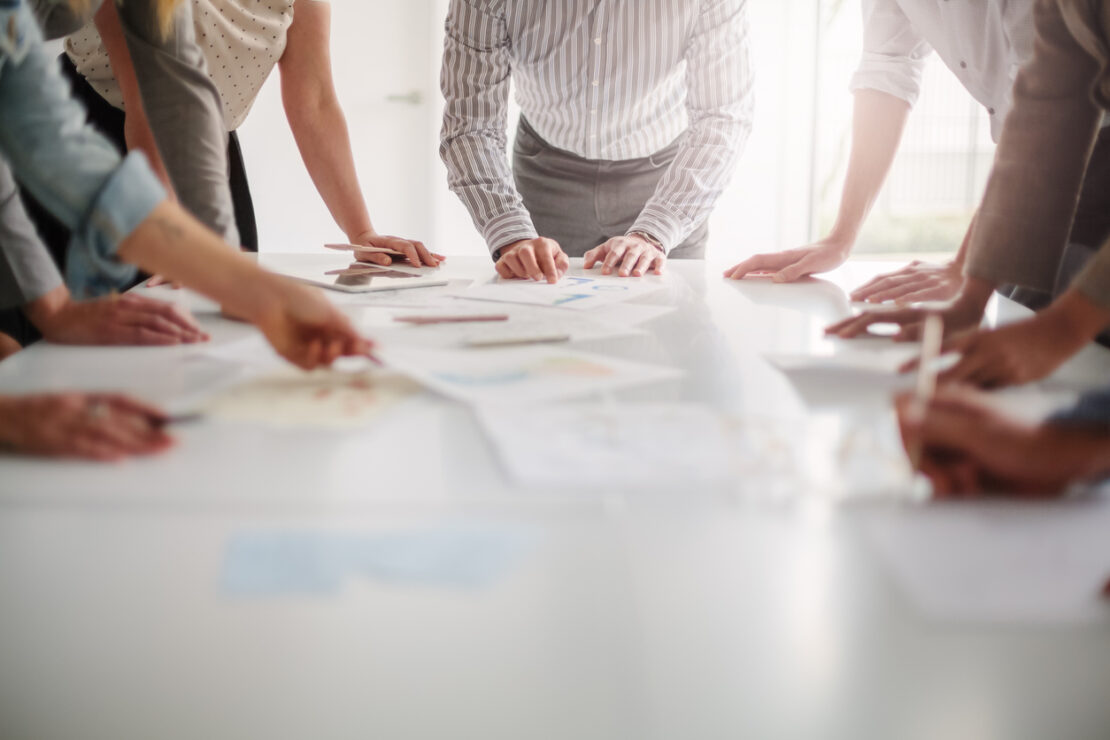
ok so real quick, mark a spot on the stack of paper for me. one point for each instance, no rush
(521, 375)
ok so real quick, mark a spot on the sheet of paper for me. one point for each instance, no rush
(572, 292)
(437, 295)
(523, 322)
(602, 445)
(322, 398)
(630, 314)
(321, 563)
(675, 445)
(521, 375)
(846, 378)
(998, 562)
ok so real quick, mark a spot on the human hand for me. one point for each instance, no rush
(966, 312)
(122, 319)
(304, 327)
(968, 448)
(94, 426)
(415, 253)
(156, 281)
(631, 255)
(1017, 353)
(914, 283)
(794, 264)
(533, 259)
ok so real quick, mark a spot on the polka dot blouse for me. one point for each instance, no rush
(241, 40)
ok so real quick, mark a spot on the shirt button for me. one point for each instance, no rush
(963, 65)
(593, 111)
(594, 83)
(598, 41)
(991, 111)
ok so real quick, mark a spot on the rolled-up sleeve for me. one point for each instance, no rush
(719, 104)
(1023, 223)
(894, 52)
(71, 169)
(475, 83)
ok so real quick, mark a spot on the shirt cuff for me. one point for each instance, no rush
(124, 202)
(895, 77)
(500, 231)
(665, 225)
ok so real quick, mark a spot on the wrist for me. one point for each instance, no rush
(8, 414)
(259, 296)
(644, 236)
(1082, 452)
(357, 234)
(1076, 317)
(975, 295)
(843, 236)
(44, 311)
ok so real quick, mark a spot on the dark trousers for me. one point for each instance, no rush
(109, 121)
(582, 203)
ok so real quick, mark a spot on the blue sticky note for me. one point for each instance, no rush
(314, 562)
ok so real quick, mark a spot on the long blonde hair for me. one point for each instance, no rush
(163, 11)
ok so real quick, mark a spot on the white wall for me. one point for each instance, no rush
(385, 48)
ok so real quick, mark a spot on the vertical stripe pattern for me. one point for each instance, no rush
(606, 80)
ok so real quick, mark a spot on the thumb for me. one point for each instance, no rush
(793, 272)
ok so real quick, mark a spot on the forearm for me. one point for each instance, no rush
(694, 181)
(1077, 316)
(877, 124)
(322, 137)
(719, 106)
(475, 85)
(171, 243)
(961, 255)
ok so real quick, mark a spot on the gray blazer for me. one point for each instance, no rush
(27, 271)
(181, 103)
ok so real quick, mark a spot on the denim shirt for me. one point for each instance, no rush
(1091, 411)
(70, 168)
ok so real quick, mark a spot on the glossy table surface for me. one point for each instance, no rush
(738, 609)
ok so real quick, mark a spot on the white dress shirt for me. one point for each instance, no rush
(606, 80)
(984, 42)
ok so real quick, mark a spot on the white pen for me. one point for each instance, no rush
(932, 339)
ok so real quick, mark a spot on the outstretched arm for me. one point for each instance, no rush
(878, 121)
(320, 130)
(887, 84)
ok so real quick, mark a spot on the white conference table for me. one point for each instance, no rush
(694, 612)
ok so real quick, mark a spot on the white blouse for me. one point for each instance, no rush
(241, 40)
(983, 42)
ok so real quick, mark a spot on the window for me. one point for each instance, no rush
(942, 166)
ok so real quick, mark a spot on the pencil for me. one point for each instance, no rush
(421, 320)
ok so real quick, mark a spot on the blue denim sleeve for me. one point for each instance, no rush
(68, 166)
(1092, 410)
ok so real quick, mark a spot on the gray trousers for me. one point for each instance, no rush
(582, 203)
